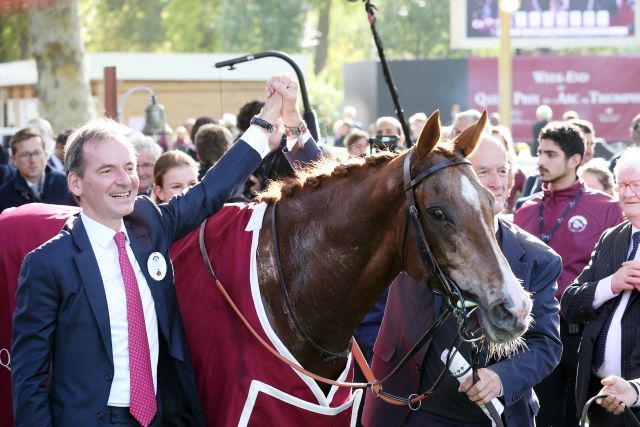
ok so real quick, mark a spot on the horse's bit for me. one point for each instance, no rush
(463, 309)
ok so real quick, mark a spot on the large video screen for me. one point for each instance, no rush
(547, 23)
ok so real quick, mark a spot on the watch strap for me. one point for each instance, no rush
(255, 120)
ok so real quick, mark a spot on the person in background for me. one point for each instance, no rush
(517, 178)
(634, 136)
(544, 114)
(390, 126)
(341, 129)
(57, 157)
(605, 296)
(212, 141)
(147, 153)
(416, 123)
(597, 176)
(357, 143)
(589, 138)
(181, 140)
(173, 173)
(34, 181)
(570, 115)
(463, 120)
(569, 218)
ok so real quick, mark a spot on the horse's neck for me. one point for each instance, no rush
(342, 254)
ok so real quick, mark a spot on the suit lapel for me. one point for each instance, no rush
(514, 253)
(142, 247)
(92, 281)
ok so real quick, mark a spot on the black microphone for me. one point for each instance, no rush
(232, 62)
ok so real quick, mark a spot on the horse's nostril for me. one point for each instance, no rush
(502, 316)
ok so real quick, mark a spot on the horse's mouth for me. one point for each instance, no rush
(501, 327)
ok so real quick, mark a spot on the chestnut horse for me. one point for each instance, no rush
(343, 236)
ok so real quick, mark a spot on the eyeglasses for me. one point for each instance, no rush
(633, 185)
(145, 165)
(27, 155)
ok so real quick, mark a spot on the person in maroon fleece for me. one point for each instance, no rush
(569, 218)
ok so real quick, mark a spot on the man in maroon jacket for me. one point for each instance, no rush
(569, 218)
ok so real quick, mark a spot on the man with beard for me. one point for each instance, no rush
(412, 308)
(569, 218)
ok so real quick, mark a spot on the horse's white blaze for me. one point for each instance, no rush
(512, 287)
(469, 193)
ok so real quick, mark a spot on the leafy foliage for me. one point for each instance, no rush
(14, 36)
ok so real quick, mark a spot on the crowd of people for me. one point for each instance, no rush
(570, 233)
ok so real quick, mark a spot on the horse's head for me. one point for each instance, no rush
(456, 212)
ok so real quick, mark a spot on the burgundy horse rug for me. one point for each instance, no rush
(239, 382)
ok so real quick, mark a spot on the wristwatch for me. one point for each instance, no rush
(255, 120)
(295, 131)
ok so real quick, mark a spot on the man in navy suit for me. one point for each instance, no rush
(34, 181)
(411, 308)
(107, 277)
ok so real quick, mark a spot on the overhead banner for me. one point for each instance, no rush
(604, 90)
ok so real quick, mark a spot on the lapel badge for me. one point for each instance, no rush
(157, 266)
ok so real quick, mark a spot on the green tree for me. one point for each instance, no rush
(257, 25)
(191, 25)
(14, 34)
(123, 25)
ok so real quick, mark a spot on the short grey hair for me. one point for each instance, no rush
(145, 144)
(95, 131)
(630, 159)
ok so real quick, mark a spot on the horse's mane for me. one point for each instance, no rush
(327, 168)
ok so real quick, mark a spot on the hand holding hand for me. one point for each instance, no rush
(627, 277)
(619, 394)
(287, 87)
(272, 108)
(488, 387)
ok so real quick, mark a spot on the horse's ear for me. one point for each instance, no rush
(466, 142)
(429, 136)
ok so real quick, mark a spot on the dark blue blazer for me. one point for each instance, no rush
(61, 329)
(411, 309)
(16, 191)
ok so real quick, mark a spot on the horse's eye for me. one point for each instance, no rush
(437, 214)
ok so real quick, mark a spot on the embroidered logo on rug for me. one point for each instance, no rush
(577, 223)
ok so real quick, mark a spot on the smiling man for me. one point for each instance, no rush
(570, 218)
(606, 296)
(35, 180)
(410, 312)
(97, 333)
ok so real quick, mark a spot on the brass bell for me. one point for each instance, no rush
(155, 121)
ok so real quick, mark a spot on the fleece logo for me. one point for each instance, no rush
(577, 223)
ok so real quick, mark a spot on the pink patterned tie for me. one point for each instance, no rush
(143, 398)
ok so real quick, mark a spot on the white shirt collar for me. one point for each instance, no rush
(99, 233)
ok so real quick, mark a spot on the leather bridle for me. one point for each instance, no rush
(462, 310)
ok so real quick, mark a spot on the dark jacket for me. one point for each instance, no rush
(575, 238)
(577, 306)
(68, 343)
(411, 310)
(16, 191)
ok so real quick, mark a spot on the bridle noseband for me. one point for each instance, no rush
(451, 290)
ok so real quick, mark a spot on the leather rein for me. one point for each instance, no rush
(451, 291)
